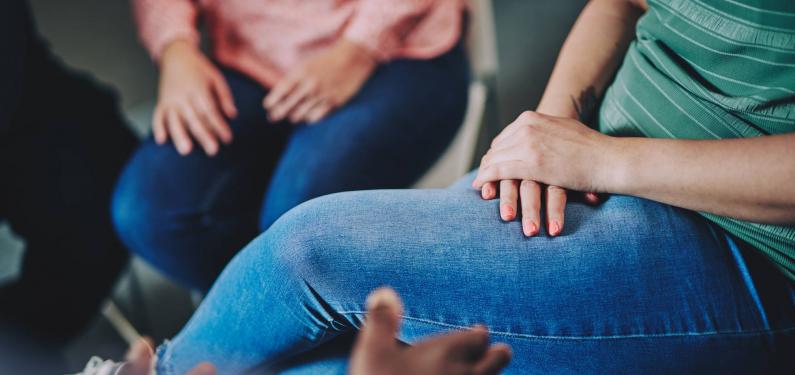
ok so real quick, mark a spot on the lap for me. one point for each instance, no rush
(161, 180)
(390, 133)
(630, 274)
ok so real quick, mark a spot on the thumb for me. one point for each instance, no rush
(383, 318)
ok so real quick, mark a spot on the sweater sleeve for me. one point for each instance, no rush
(382, 25)
(160, 22)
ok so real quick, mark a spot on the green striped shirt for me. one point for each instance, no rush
(707, 69)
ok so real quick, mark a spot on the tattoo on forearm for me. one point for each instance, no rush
(586, 105)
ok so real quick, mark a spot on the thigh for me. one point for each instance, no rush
(631, 284)
(168, 208)
(386, 137)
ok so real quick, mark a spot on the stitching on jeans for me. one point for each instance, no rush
(553, 337)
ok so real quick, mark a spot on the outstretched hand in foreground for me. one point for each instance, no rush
(377, 352)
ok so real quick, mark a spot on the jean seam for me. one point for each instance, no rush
(609, 337)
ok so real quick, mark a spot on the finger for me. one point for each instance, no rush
(204, 368)
(280, 91)
(199, 131)
(159, 126)
(181, 138)
(210, 116)
(142, 348)
(301, 93)
(489, 191)
(469, 345)
(383, 319)
(302, 110)
(593, 198)
(319, 112)
(530, 197)
(556, 205)
(507, 170)
(496, 358)
(224, 96)
(509, 195)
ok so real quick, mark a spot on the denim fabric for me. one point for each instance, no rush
(63, 143)
(189, 215)
(632, 286)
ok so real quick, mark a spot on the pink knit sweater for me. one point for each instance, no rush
(265, 38)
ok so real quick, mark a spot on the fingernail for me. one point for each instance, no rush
(506, 212)
(554, 228)
(530, 228)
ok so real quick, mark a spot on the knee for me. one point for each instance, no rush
(308, 239)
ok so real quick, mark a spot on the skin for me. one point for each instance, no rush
(550, 150)
(322, 84)
(194, 99)
(376, 352)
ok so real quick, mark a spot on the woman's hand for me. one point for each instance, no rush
(538, 149)
(325, 82)
(193, 101)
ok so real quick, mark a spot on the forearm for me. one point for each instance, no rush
(589, 58)
(749, 179)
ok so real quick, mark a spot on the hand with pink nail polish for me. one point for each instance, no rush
(536, 158)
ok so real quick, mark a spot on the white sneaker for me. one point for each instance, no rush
(96, 366)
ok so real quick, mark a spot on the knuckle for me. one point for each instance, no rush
(529, 116)
(526, 132)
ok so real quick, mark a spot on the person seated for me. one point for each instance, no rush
(294, 101)
(63, 142)
(375, 352)
(678, 116)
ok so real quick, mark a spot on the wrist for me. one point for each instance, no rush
(557, 107)
(356, 53)
(616, 172)
(176, 49)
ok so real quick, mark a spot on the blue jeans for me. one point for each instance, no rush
(189, 215)
(632, 286)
